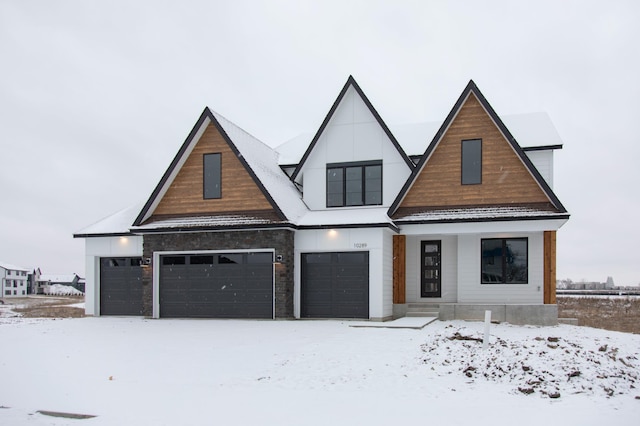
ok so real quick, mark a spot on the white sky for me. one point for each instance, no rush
(97, 97)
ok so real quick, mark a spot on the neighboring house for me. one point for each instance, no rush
(71, 280)
(13, 280)
(33, 279)
(350, 222)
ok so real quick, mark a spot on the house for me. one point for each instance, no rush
(13, 280)
(71, 280)
(351, 221)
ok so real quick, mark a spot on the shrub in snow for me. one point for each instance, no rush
(61, 290)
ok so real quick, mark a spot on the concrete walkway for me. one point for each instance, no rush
(416, 323)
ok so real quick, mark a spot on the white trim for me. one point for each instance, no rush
(156, 272)
(500, 227)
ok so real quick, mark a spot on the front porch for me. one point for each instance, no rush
(517, 314)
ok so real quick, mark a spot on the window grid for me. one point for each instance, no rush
(354, 184)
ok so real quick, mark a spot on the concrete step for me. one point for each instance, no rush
(423, 305)
(423, 314)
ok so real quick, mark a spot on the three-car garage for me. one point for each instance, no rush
(235, 284)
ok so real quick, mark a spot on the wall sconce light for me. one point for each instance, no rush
(146, 261)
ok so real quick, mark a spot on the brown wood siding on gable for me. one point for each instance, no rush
(505, 179)
(239, 191)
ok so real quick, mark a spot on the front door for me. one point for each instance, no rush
(430, 269)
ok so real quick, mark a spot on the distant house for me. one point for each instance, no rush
(355, 220)
(72, 280)
(13, 280)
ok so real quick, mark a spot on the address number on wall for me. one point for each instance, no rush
(359, 245)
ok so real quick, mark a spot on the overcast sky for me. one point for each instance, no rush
(97, 97)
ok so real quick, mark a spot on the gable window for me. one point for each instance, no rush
(354, 184)
(212, 176)
(505, 261)
(472, 162)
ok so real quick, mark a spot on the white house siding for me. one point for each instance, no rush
(352, 134)
(449, 280)
(376, 241)
(387, 274)
(470, 289)
(97, 247)
(13, 282)
(543, 161)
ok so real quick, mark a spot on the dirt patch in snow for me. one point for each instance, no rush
(43, 307)
(539, 363)
(610, 313)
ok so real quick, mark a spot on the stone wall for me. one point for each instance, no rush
(281, 240)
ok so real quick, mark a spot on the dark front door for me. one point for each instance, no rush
(430, 269)
(335, 285)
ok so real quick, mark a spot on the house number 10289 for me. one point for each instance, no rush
(360, 245)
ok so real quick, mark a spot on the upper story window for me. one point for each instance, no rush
(354, 184)
(212, 176)
(472, 162)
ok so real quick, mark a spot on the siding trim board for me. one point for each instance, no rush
(470, 89)
(350, 82)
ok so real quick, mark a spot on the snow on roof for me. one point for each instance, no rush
(11, 267)
(531, 129)
(203, 222)
(356, 216)
(477, 213)
(263, 160)
(64, 278)
(117, 223)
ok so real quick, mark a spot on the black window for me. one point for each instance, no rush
(212, 176)
(354, 184)
(505, 261)
(472, 162)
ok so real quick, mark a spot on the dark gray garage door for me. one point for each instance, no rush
(120, 286)
(220, 285)
(335, 285)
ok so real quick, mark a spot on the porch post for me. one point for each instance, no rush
(549, 296)
(399, 269)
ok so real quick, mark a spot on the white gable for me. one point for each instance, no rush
(352, 134)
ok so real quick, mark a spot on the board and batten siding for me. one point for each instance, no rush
(239, 191)
(97, 247)
(352, 135)
(543, 161)
(449, 270)
(341, 240)
(387, 274)
(470, 289)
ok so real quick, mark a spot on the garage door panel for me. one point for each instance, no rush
(120, 286)
(230, 287)
(335, 285)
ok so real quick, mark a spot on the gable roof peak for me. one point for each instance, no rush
(351, 82)
(472, 87)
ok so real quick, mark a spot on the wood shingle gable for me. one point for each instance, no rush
(351, 82)
(250, 178)
(508, 176)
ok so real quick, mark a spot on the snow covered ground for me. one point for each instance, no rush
(132, 371)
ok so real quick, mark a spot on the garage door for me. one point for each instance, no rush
(220, 285)
(120, 286)
(335, 285)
